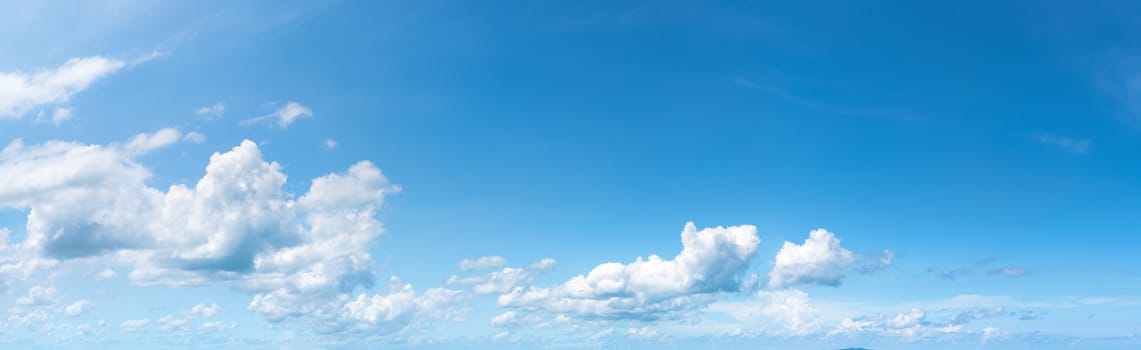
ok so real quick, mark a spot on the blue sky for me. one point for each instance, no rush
(593, 174)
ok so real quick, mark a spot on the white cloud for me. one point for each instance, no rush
(77, 308)
(144, 143)
(885, 260)
(106, 274)
(284, 116)
(642, 333)
(218, 326)
(503, 281)
(505, 319)
(652, 288)
(485, 262)
(792, 307)
(195, 137)
(39, 295)
(211, 112)
(908, 325)
(203, 310)
(400, 307)
(1008, 271)
(330, 144)
(60, 115)
(134, 324)
(774, 312)
(820, 260)
(82, 199)
(544, 264)
(298, 257)
(180, 320)
(21, 92)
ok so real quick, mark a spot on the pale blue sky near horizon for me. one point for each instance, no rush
(992, 149)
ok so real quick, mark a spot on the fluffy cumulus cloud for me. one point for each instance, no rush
(83, 199)
(400, 307)
(77, 308)
(21, 92)
(820, 260)
(298, 257)
(711, 261)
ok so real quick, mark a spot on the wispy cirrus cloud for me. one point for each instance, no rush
(1072, 145)
(789, 96)
(21, 92)
(283, 116)
(214, 111)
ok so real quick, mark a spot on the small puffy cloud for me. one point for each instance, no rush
(642, 333)
(330, 144)
(543, 264)
(195, 137)
(710, 262)
(503, 281)
(507, 318)
(486, 262)
(181, 320)
(203, 310)
(21, 92)
(38, 295)
(885, 260)
(144, 143)
(211, 112)
(106, 274)
(134, 324)
(1013, 272)
(77, 308)
(284, 115)
(218, 326)
(820, 260)
(60, 115)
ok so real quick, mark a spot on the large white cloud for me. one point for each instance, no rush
(21, 92)
(711, 261)
(820, 260)
(298, 258)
